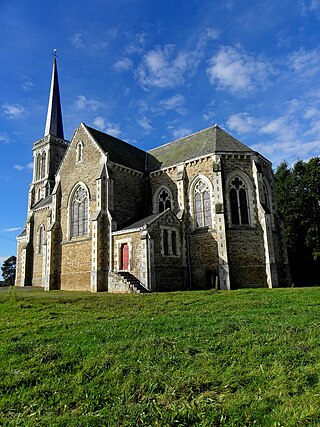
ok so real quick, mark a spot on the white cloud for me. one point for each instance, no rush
(13, 111)
(137, 45)
(212, 33)
(306, 63)
(288, 150)
(314, 130)
(4, 139)
(241, 122)
(22, 167)
(77, 41)
(145, 124)
(311, 113)
(236, 71)
(175, 102)
(107, 127)
(180, 133)
(123, 64)
(83, 103)
(10, 230)
(166, 67)
(162, 68)
(208, 116)
(276, 126)
(18, 167)
(27, 85)
(315, 5)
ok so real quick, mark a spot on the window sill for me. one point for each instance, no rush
(202, 230)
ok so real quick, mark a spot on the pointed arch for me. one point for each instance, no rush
(200, 196)
(43, 164)
(38, 166)
(239, 188)
(78, 211)
(162, 199)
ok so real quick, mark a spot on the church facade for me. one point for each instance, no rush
(196, 213)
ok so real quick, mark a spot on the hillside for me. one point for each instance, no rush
(239, 358)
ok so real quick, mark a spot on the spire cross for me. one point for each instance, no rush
(55, 53)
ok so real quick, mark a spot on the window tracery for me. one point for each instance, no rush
(238, 202)
(202, 204)
(79, 213)
(164, 200)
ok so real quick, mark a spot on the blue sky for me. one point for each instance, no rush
(152, 71)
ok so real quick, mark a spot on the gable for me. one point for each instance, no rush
(119, 151)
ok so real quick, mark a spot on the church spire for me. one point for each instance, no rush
(54, 125)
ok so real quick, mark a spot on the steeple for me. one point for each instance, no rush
(54, 125)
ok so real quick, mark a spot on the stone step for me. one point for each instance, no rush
(133, 282)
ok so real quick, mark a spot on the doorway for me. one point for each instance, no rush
(124, 257)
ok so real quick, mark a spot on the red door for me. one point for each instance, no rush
(124, 256)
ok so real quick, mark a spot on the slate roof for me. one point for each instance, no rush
(54, 124)
(23, 233)
(43, 202)
(119, 151)
(207, 141)
(141, 222)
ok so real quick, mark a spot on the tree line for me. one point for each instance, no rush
(298, 196)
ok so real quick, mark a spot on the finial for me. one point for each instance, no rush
(55, 53)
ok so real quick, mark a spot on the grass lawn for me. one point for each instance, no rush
(240, 358)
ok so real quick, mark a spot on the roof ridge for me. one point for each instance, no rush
(186, 136)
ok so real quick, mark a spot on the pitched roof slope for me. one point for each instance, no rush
(119, 151)
(207, 141)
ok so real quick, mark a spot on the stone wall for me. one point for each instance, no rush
(128, 195)
(246, 258)
(204, 259)
(76, 265)
(169, 273)
(40, 217)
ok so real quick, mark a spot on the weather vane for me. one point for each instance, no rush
(55, 53)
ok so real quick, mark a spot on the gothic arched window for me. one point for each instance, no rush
(79, 212)
(266, 198)
(238, 202)
(38, 166)
(164, 201)
(202, 204)
(43, 165)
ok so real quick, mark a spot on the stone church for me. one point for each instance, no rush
(103, 215)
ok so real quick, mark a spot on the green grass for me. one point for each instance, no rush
(240, 358)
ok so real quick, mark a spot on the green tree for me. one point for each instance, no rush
(9, 271)
(298, 194)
